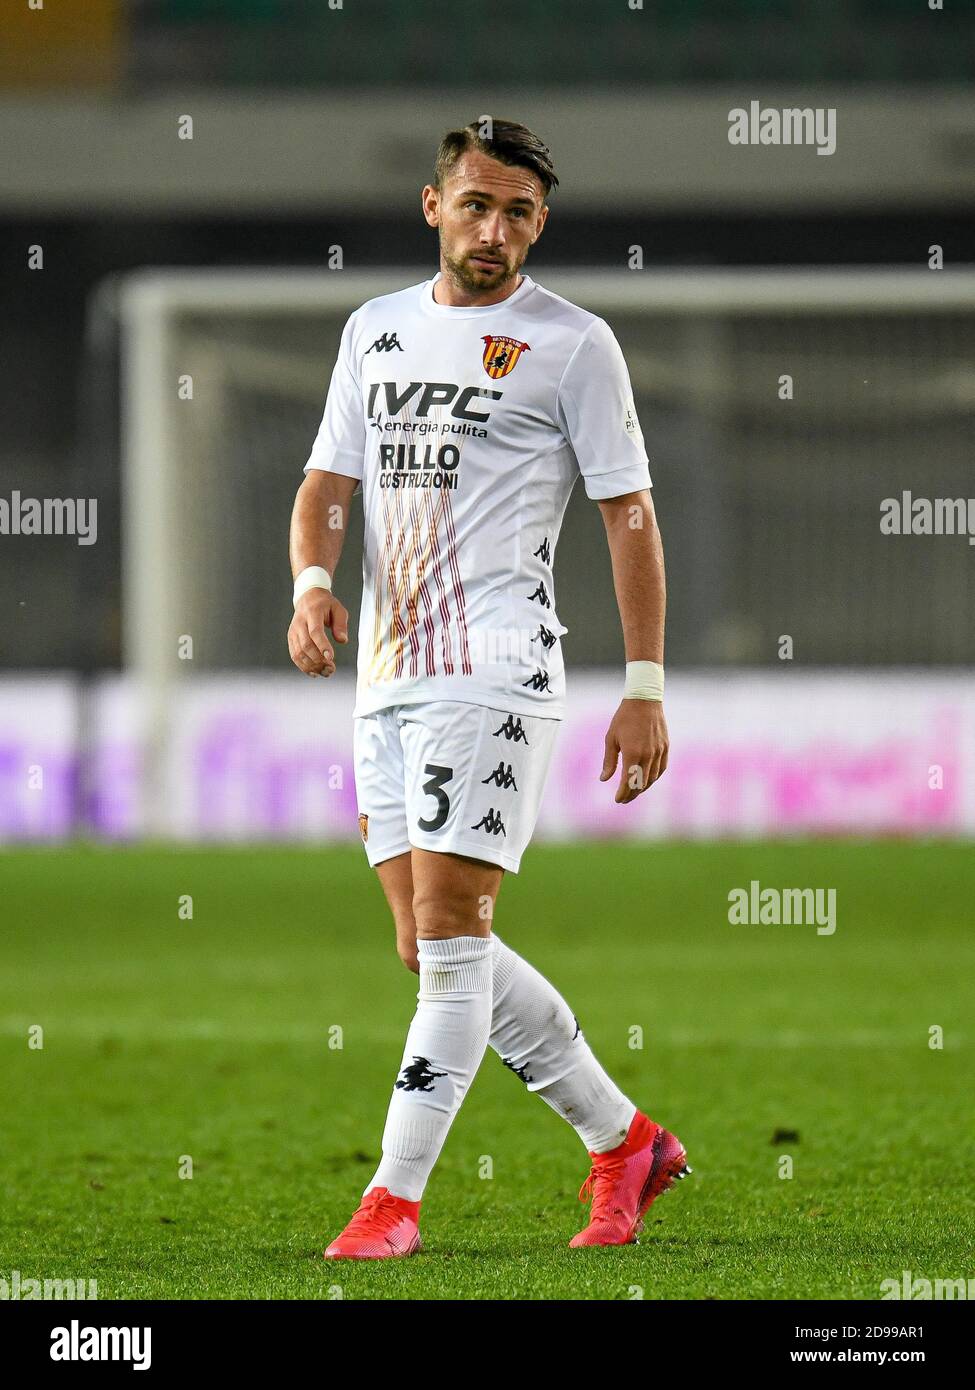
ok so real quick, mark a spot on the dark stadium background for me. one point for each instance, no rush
(900, 66)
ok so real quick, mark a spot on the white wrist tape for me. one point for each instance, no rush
(313, 577)
(644, 681)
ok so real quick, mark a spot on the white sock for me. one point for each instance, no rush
(444, 1047)
(536, 1034)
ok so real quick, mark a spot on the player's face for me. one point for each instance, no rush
(489, 214)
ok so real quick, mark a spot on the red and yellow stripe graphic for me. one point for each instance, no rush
(417, 577)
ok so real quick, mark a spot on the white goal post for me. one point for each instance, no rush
(172, 557)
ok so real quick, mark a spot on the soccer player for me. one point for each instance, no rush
(464, 408)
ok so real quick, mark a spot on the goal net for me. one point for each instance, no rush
(780, 409)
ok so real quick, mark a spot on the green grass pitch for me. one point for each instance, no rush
(209, 1038)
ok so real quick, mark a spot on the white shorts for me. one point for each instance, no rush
(449, 776)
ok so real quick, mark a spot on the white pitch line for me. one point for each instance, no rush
(209, 1030)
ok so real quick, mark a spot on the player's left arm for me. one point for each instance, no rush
(638, 730)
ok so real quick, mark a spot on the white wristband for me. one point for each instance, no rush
(313, 577)
(644, 681)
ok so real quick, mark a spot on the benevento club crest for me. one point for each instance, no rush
(501, 354)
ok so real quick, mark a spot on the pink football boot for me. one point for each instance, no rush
(384, 1225)
(624, 1181)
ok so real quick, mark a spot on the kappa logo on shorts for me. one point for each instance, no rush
(541, 596)
(539, 681)
(492, 823)
(511, 728)
(547, 639)
(363, 826)
(502, 776)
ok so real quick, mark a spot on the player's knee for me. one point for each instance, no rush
(408, 955)
(444, 915)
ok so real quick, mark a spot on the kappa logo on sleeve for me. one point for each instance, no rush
(501, 355)
(386, 343)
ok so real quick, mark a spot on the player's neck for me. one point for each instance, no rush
(451, 295)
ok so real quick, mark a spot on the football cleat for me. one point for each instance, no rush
(383, 1226)
(623, 1182)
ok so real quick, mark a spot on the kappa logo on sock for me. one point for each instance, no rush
(521, 1072)
(418, 1076)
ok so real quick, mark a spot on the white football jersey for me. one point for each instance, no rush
(467, 428)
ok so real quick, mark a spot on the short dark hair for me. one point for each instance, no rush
(508, 142)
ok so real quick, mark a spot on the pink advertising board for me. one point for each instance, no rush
(252, 756)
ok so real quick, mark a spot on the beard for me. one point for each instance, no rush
(474, 278)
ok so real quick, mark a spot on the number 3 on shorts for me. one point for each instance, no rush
(434, 787)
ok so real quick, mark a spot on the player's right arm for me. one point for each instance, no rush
(321, 513)
(319, 522)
